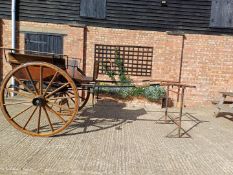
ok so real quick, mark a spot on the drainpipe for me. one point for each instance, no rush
(13, 34)
(13, 24)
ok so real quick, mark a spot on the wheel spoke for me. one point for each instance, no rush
(71, 92)
(46, 113)
(12, 118)
(60, 106)
(38, 124)
(82, 98)
(58, 115)
(50, 83)
(41, 80)
(22, 102)
(53, 103)
(58, 89)
(19, 93)
(30, 117)
(30, 77)
(71, 98)
(67, 102)
(57, 98)
(24, 85)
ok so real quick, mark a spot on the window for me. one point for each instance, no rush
(93, 9)
(222, 14)
(42, 42)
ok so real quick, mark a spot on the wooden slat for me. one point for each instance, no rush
(93, 9)
(221, 14)
(186, 15)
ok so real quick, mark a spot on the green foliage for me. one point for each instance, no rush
(138, 91)
(124, 93)
(154, 93)
(121, 70)
(116, 91)
(109, 73)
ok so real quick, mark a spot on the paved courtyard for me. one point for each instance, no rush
(119, 139)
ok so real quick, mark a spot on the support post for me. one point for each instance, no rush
(181, 110)
(167, 98)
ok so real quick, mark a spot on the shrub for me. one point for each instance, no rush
(124, 92)
(116, 91)
(137, 91)
(154, 93)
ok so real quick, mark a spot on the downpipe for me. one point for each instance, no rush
(13, 37)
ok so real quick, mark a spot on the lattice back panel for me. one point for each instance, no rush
(137, 60)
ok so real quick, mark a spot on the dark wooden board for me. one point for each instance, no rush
(186, 15)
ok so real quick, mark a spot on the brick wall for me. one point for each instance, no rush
(73, 37)
(5, 42)
(165, 61)
(207, 61)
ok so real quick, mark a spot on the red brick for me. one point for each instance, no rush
(207, 61)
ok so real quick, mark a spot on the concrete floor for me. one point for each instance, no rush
(119, 139)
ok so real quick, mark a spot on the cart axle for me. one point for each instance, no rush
(39, 101)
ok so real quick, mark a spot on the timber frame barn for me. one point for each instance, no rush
(179, 40)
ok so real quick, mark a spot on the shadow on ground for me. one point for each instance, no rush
(226, 115)
(113, 114)
(106, 114)
(189, 122)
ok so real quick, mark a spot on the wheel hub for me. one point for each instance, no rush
(38, 101)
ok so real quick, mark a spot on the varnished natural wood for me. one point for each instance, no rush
(19, 93)
(58, 89)
(41, 80)
(29, 119)
(33, 125)
(56, 113)
(50, 83)
(71, 98)
(38, 125)
(57, 98)
(60, 106)
(22, 112)
(18, 103)
(48, 118)
(30, 78)
(21, 83)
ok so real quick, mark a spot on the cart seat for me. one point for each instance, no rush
(76, 73)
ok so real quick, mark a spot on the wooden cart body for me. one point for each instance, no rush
(71, 66)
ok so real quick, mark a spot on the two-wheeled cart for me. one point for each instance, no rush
(43, 93)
